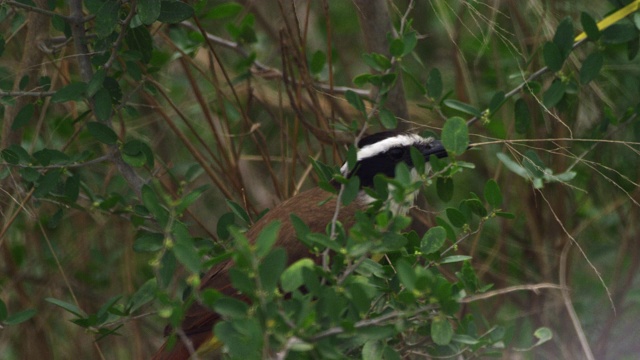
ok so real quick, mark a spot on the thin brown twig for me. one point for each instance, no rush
(566, 298)
(392, 316)
(27, 93)
(267, 71)
(116, 44)
(530, 287)
(34, 9)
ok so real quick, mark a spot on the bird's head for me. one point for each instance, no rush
(380, 153)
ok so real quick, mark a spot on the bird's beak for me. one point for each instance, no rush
(434, 148)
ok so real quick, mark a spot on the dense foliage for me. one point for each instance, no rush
(140, 139)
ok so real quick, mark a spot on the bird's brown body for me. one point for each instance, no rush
(310, 206)
(378, 154)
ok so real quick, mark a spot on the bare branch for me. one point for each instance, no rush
(489, 294)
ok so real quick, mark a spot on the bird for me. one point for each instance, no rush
(378, 153)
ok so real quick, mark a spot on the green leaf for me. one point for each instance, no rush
(451, 235)
(136, 160)
(231, 307)
(351, 190)
(433, 240)
(403, 174)
(47, 183)
(522, 116)
(152, 203)
(492, 193)
(139, 39)
(102, 133)
(406, 274)
(29, 174)
(107, 18)
(462, 107)
(51, 156)
(619, 33)
(591, 67)
(292, 278)
(434, 84)
(146, 241)
(468, 277)
(72, 188)
(245, 32)
(552, 56)
(184, 248)
(113, 88)
(270, 269)
(60, 24)
(456, 217)
(72, 92)
(589, 26)
(564, 37)
(465, 339)
(455, 136)
(377, 61)
(564, 177)
(372, 350)
(108, 306)
(302, 230)
(222, 228)
(72, 308)
(137, 153)
(238, 210)
(543, 334)
(2, 45)
(410, 41)
(23, 117)
(417, 159)
(102, 103)
(444, 188)
(190, 198)
(148, 10)
(10, 157)
(133, 154)
(455, 258)
(173, 12)
(226, 10)
(533, 164)
(352, 158)
(323, 240)
(267, 237)
(318, 60)
(474, 205)
(387, 119)
(362, 79)
(95, 83)
(441, 330)
(513, 166)
(19, 152)
(496, 101)
(20, 317)
(396, 48)
(554, 94)
(210, 296)
(505, 215)
(355, 101)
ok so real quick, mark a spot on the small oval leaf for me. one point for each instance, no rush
(455, 136)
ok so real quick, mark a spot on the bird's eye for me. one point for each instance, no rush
(396, 153)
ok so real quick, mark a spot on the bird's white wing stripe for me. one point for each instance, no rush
(386, 144)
